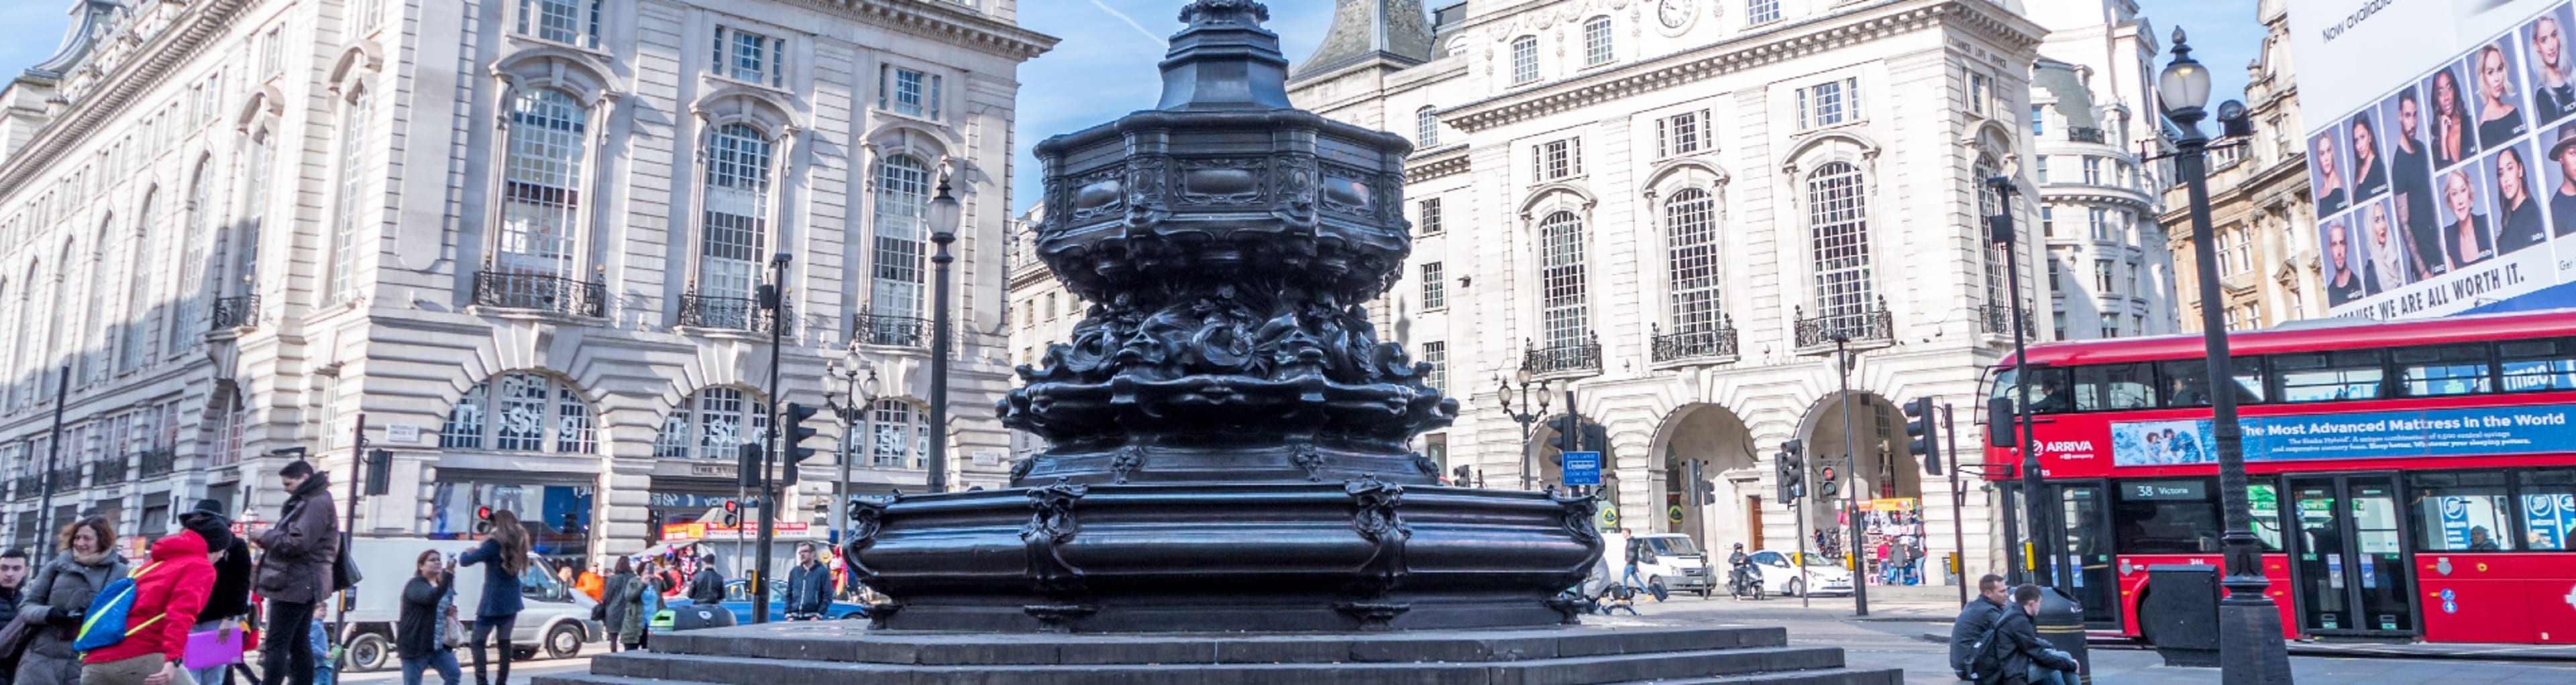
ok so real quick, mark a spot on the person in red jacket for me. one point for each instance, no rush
(168, 595)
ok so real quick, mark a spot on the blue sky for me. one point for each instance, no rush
(1105, 66)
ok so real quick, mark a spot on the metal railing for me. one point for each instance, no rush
(227, 313)
(25, 487)
(107, 471)
(739, 313)
(67, 479)
(543, 292)
(897, 331)
(2082, 134)
(1997, 319)
(1703, 342)
(159, 462)
(1872, 325)
(1566, 358)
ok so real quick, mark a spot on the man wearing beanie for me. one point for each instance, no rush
(295, 574)
(230, 600)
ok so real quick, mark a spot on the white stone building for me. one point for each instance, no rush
(518, 239)
(2093, 110)
(1671, 204)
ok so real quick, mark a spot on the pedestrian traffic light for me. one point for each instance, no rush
(482, 520)
(1790, 470)
(795, 434)
(732, 513)
(1829, 487)
(748, 461)
(380, 472)
(1922, 427)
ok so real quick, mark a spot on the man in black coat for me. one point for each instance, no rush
(13, 577)
(2024, 654)
(1974, 620)
(809, 586)
(707, 587)
(295, 573)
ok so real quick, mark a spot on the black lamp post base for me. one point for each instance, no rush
(2251, 650)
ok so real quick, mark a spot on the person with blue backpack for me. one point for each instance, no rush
(59, 596)
(136, 630)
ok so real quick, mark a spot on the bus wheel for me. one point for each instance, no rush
(367, 652)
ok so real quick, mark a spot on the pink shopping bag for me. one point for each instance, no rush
(219, 647)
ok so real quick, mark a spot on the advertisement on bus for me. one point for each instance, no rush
(2425, 433)
(2442, 151)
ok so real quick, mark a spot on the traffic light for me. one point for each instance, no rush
(1830, 487)
(482, 520)
(1458, 476)
(380, 472)
(747, 457)
(796, 432)
(732, 513)
(1922, 427)
(1790, 470)
(571, 523)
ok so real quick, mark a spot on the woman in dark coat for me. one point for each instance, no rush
(618, 597)
(420, 633)
(230, 599)
(505, 555)
(60, 593)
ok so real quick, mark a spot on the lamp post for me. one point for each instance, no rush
(2249, 625)
(2034, 506)
(944, 217)
(1525, 419)
(862, 394)
(1851, 493)
(773, 299)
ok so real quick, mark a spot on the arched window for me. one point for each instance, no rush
(345, 231)
(1524, 59)
(524, 412)
(712, 424)
(899, 436)
(242, 258)
(1838, 216)
(1596, 41)
(1690, 225)
(736, 225)
(55, 319)
(1989, 204)
(1562, 314)
(138, 296)
(96, 360)
(187, 328)
(541, 191)
(1426, 128)
(903, 194)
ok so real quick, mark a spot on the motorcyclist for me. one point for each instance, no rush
(1739, 566)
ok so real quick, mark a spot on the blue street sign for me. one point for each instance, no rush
(1582, 468)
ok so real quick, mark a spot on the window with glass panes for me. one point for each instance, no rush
(2437, 370)
(712, 424)
(2092, 170)
(1557, 159)
(750, 57)
(903, 200)
(1524, 59)
(900, 436)
(541, 184)
(1691, 260)
(909, 92)
(1761, 11)
(345, 230)
(735, 224)
(1838, 218)
(562, 21)
(1990, 202)
(1429, 223)
(2101, 277)
(1435, 294)
(2532, 365)
(1596, 41)
(2327, 376)
(1436, 353)
(1563, 316)
(138, 329)
(520, 412)
(1829, 103)
(1426, 128)
(1682, 134)
(188, 331)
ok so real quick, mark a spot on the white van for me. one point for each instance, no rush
(555, 623)
(1669, 560)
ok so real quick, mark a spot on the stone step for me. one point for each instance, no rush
(631, 669)
(1826, 676)
(841, 641)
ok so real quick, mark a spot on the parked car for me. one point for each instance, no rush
(1822, 576)
(738, 601)
(555, 624)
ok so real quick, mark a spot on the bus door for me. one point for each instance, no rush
(2084, 566)
(2349, 558)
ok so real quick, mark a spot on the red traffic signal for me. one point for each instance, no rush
(483, 519)
(1828, 473)
(732, 513)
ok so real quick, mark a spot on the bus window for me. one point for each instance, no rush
(2539, 365)
(2048, 390)
(2329, 376)
(2549, 507)
(2186, 382)
(2462, 511)
(2166, 517)
(2114, 386)
(2264, 503)
(2438, 370)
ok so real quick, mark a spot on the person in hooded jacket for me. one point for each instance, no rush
(295, 571)
(419, 633)
(169, 592)
(230, 599)
(60, 596)
(2025, 655)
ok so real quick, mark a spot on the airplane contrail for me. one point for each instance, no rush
(1131, 21)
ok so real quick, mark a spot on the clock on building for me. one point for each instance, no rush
(1675, 13)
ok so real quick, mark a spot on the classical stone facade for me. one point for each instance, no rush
(517, 244)
(2262, 213)
(1672, 208)
(2093, 109)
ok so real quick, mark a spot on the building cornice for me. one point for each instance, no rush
(946, 22)
(131, 80)
(1448, 161)
(1750, 50)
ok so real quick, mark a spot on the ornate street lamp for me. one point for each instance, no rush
(2249, 626)
(944, 217)
(863, 395)
(1537, 411)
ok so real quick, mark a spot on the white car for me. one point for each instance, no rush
(1822, 576)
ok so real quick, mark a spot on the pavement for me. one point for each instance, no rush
(520, 671)
(1908, 626)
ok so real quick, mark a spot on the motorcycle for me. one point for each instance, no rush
(1744, 580)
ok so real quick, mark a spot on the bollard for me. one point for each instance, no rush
(2061, 623)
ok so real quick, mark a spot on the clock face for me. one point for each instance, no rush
(1674, 13)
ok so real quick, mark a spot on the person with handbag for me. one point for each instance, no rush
(614, 598)
(58, 597)
(297, 571)
(169, 592)
(506, 552)
(423, 637)
(220, 623)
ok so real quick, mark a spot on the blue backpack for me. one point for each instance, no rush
(104, 624)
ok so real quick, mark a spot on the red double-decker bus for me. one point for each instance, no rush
(2409, 480)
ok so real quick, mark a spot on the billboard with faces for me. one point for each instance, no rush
(2441, 150)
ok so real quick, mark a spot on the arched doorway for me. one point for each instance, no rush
(1721, 446)
(1879, 473)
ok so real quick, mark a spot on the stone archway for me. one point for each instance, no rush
(1879, 466)
(1722, 444)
